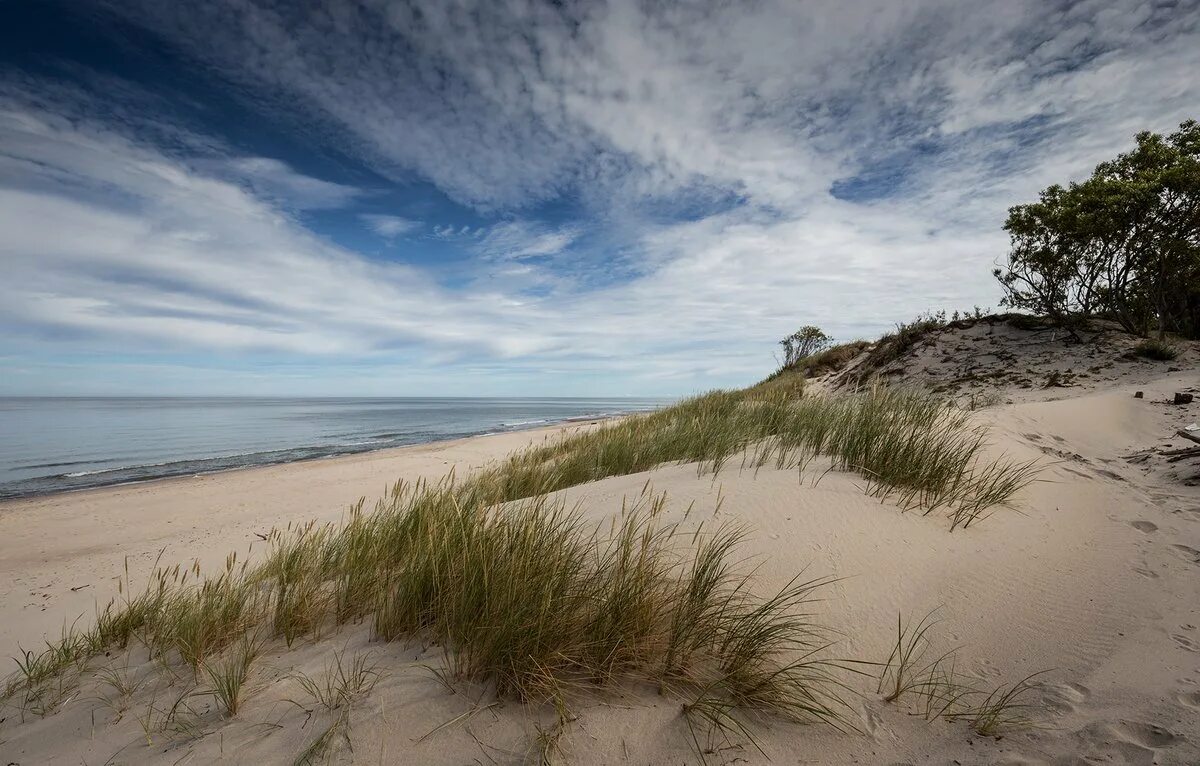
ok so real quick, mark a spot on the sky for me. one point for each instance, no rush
(510, 198)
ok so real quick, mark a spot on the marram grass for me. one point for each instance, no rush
(919, 451)
(529, 598)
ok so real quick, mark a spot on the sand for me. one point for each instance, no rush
(61, 554)
(1095, 578)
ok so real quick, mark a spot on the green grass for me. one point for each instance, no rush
(944, 693)
(905, 670)
(528, 597)
(343, 683)
(228, 678)
(823, 362)
(1157, 350)
(921, 452)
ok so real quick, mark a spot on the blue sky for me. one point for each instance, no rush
(526, 198)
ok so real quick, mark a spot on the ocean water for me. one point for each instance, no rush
(56, 444)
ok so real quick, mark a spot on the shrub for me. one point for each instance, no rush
(1120, 244)
(1157, 350)
(893, 346)
(803, 343)
(831, 359)
(1028, 322)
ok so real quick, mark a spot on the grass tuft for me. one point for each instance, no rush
(1005, 708)
(228, 677)
(944, 693)
(903, 671)
(1157, 350)
(343, 683)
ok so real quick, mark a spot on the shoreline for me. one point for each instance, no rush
(65, 553)
(6, 500)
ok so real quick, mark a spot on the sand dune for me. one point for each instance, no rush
(1095, 578)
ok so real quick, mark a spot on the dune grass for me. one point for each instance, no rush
(344, 682)
(942, 692)
(832, 359)
(228, 678)
(919, 451)
(530, 599)
(1157, 350)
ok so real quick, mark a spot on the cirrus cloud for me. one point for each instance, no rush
(644, 196)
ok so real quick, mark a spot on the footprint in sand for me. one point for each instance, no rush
(1189, 699)
(1065, 698)
(1185, 642)
(1191, 514)
(1147, 734)
(871, 721)
(1144, 526)
(1187, 553)
(1130, 742)
(1146, 572)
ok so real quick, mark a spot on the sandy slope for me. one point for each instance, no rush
(1097, 579)
(991, 361)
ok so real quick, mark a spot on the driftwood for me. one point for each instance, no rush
(1187, 435)
(1175, 455)
(1185, 452)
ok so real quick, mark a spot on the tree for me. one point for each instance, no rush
(1125, 243)
(805, 342)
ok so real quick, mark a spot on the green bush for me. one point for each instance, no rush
(1157, 350)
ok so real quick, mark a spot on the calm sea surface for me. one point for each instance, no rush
(55, 444)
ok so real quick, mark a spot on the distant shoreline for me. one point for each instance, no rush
(8, 499)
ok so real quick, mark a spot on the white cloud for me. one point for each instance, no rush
(389, 226)
(514, 240)
(184, 259)
(750, 112)
(275, 180)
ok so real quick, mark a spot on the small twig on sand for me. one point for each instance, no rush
(1188, 436)
(1185, 452)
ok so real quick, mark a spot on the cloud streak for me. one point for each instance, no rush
(652, 193)
(389, 226)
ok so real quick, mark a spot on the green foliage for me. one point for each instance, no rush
(228, 677)
(894, 345)
(1027, 322)
(803, 343)
(1156, 350)
(1124, 243)
(831, 359)
(943, 693)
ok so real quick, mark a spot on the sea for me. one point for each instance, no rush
(56, 444)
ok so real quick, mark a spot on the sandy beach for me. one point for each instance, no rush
(1093, 579)
(62, 554)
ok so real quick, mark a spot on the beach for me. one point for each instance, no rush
(62, 554)
(1090, 582)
